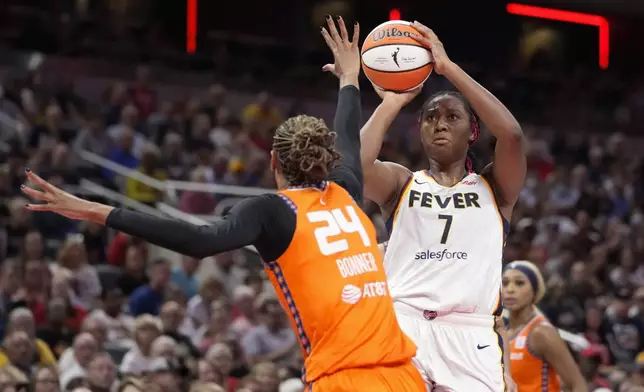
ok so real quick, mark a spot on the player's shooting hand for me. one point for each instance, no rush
(346, 54)
(58, 201)
(428, 38)
(398, 99)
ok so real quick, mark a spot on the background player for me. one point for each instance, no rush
(336, 293)
(537, 351)
(448, 226)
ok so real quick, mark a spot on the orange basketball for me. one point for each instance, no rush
(393, 60)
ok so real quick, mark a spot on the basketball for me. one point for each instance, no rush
(393, 60)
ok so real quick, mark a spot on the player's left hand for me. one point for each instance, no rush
(56, 200)
(428, 38)
(346, 54)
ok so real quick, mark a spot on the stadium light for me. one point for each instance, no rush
(570, 17)
(394, 14)
(191, 26)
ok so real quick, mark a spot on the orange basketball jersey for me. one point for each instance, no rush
(332, 283)
(530, 373)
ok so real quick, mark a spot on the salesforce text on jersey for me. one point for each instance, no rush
(440, 255)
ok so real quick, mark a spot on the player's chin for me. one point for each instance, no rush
(512, 305)
(440, 152)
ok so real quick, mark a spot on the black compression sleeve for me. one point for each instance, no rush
(264, 221)
(348, 173)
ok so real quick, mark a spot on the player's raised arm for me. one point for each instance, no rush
(383, 180)
(242, 226)
(346, 67)
(509, 168)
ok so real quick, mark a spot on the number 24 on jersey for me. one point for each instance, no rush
(337, 224)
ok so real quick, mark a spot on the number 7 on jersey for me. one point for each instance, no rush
(337, 224)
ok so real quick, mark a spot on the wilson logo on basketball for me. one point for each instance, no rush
(390, 33)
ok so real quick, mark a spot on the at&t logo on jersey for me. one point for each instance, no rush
(352, 294)
(441, 255)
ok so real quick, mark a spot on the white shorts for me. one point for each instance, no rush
(457, 352)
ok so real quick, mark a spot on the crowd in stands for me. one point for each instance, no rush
(84, 308)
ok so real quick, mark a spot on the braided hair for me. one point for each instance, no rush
(304, 147)
(472, 163)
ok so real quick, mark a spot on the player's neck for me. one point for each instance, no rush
(522, 317)
(447, 175)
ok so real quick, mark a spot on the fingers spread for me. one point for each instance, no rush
(38, 195)
(333, 31)
(329, 41)
(40, 207)
(343, 30)
(356, 34)
(35, 178)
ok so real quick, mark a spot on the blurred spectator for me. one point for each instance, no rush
(123, 153)
(149, 166)
(228, 272)
(46, 380)
(13, 379)
(22, 348)
(263, 110)
(119, 246)
(56, 333)
(217, 329)
(72, 261)
(246, 317)
(93, 138)
(164, 347)
(142, 93)
(220, 357)
(624, 335)
(96, 327)
(95, 241)
(178, 327)
(102, 373)
(272, 340)
(185, 276)
(44, 137)
(134, 274)
(120, 325)
(266, 375)
(199, 133)
(75, 312)
(138, 359)
(197, 202)
(148, 299)
(199, 309)
(83, 350)
(174, 156)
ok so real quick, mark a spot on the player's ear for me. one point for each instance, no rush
(273, 160)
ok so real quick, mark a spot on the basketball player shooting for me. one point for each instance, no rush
(448, 226)
(319, 248)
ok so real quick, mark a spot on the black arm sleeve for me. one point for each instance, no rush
(264, 221)
(348, 173)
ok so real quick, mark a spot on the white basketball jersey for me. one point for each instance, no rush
(446, 246)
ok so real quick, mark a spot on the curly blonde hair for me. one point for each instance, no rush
(304, 147)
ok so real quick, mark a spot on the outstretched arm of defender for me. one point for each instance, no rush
(346, 67)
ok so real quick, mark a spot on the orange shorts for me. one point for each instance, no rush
(400, 378)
